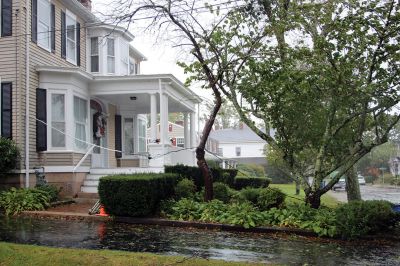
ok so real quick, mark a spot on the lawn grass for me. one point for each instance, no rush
(17, 254)
(290, 190)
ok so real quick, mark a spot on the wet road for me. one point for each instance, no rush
(369, 192)
(231, 246)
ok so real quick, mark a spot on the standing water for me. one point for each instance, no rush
(191, 242)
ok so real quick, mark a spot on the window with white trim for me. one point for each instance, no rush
(44, 24)
(94, 54)
(124, 58)
(110, 56)
(180, 142)
(142, 135)
(70, 21)
(128, 136)
(57, 120)
(81, 118)
(238, 151)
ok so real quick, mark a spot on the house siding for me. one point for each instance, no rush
(42, 57)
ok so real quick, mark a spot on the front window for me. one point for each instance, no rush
(128, 136)
(110, 56)
(80, 116)
(94, 54)
(44, 24)
(238, 151)
(142, 135)
(180, 142)
(58, 120)
(71, 37)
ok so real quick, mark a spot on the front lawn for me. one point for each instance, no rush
(290, 191)
(16, 254)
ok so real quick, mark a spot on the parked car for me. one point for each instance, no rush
(341, 184)
(361, 180)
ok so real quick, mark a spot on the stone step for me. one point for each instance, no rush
(89, 189)
(94, 177)
(84, 197)
(90, 183)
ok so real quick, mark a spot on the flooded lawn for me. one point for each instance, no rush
(188, 242)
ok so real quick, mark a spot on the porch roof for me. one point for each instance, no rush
(119, 89)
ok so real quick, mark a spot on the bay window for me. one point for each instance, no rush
(110, 56)
(80, 117)
(124, 58)
(57, 120)
(44, 24)
(94, 54)
(71, 39)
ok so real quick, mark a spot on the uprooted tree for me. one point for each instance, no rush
(323, 74)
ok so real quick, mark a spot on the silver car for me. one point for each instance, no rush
(341, 184)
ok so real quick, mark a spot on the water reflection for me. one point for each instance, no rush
(201, 243)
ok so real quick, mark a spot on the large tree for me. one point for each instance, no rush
(327, 81)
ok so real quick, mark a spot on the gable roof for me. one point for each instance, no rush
(235, 135)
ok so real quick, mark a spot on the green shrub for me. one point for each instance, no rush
(322, 221)
(52, 190)
(185, 189)
(248, 194)
(9, 155)
(135, 195)
(244, 214)
(358, 218)
(15, 200)
(194, 173)
(186, 210)
(251, 169)
(255, 182)
(221, 192)
(270, 198)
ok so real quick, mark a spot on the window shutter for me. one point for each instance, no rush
(53, 28)
(6, 110)
(34, 21)
(41, 114)
(6, 17)
(118, 136)
(78, 44)
(63, 37)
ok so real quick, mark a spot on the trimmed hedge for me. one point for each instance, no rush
(226, 176)
(135, 195)
(254, 182)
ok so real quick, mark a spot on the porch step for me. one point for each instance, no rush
(84, 197)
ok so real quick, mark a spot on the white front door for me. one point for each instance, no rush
(98, 154)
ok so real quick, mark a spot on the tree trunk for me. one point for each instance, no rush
(313, 199)
(206, 173)
(352, 186)
(297, 182)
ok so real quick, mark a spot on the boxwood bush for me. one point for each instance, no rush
(226, 176)
(9, 155)
(135, 195)
(254, 182)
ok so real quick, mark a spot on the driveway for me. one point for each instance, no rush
(369, 192)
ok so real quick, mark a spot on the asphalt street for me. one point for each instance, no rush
(369, 192)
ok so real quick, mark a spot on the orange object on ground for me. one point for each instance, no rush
(102, 211)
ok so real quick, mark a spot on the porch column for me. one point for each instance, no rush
(164, 118)
(153, 117)
(192, 130)
(186, 130)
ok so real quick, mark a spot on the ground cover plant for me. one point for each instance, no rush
(16, 200)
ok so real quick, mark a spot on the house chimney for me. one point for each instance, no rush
(87, 4)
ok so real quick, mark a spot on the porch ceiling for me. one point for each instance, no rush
(142, 103)
(119, 90)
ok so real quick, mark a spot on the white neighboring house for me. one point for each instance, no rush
(240, 145)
